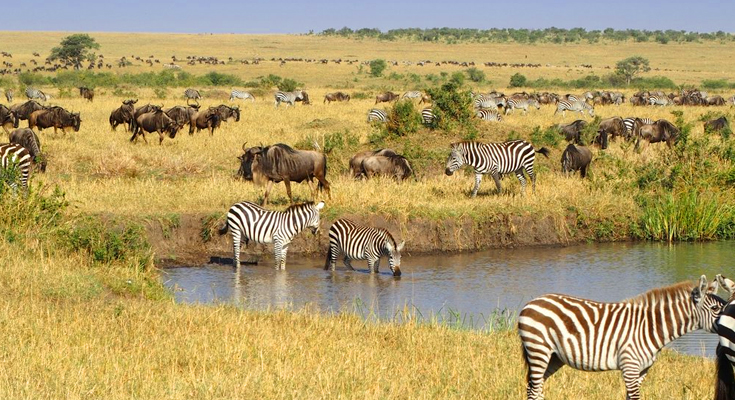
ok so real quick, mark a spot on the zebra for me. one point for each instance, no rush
(16, 163)
(192, 94)
(483, 101)
(725, 387)
(358, 242)
(239, 94)
(263, 226)
(630, 124)
(489, 115)
(428, 116)
(289, 97)
(659, 101)
(521, 104)
(557, 329)
(578, 106)
(9, 95)
(34, 94)
(495, 159)
(413, 94)
(377, 115)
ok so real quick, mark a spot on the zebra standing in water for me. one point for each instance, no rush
(428, 116)
(358, 242)
(9, 95)
(36, 94)
(725, 385)
(377, 115)
(495, 159)
(522, 104)
(248, 221)
(239, 94)
(576, 106)
(557, 329)
(489, 115)
(289, 97)
(16, 161)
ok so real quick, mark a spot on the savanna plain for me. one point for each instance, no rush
(84, 314)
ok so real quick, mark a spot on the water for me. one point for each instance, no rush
(466, 289)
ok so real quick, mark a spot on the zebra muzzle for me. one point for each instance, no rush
(448, 171)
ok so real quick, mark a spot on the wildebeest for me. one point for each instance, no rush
(280, 162)
(715, 101)
(572, 132)
(182, 114)
(156, 121)
(86, 92)
(660, 131)
(716, 125)
(386, 97)
(356, 160)
(123, 115)
(613, 127)
(207, 119)
(24, 110)
(576, 158)
(336, 96)
(55, 117)
(394, 166)
(226, 112)
(30, 141)
(7, 119)
(145, 109)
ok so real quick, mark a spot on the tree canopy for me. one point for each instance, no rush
(75, 49)
(632, 66)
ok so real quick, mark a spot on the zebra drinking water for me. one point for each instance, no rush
(377, 115)
(248, 221)
(575, 106)
(290, 98)
(358, 242)
(495, 159)
(36, 94)
(242, 95)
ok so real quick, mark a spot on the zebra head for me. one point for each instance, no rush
(726, 284)
(394, 256)
(312, 216)
(707, 305)
(455, 161)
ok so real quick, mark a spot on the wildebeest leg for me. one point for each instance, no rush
(268, 187)
(311, 188)
(160, 138)
(583, 171)
(288, 189)
(496, 178)
(478, 179)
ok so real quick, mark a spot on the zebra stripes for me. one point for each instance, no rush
(242, 95)
(16, 163)
(288, 97)
(358, 242)
(557, 329)
(725, 384)
(574, 106)
(489, 115)
(428, 116)
(487, 101)
(522, 104)
(248, 221)
(495, 159)
(659, 101)
(414, 94)
(377, 115)
(9, 95)
(192, 94)
(36, 94)
(630, 124)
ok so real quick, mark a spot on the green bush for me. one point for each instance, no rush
(475, 75)
(403, 119)
(545, 137)
(289, 85)
(106, 242)
(517, 80)
(453, 109)
(377, 67)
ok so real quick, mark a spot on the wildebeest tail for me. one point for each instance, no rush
(544, 151)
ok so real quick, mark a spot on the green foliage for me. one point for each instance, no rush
(160, 93)
(453, 109)
(33, 79)
(217, 79)
(517, 80)
(717, 84)
(403, 119)
(457, 78)
(289, 85)
(632, 66)
(690, 215)
(377, 67)
(106, 242)
(75, 49)
(545, 137)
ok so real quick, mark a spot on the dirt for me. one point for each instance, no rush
(183, 243)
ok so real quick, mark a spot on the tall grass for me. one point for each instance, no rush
(691, 215)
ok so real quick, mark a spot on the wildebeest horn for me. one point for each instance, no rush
(243, 146)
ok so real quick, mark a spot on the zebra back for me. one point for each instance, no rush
(192, 94)
(489, 115)
(33, 94)
(377, 115)
(428, 116)
(242, 95)
(16, 164)
(358, 242)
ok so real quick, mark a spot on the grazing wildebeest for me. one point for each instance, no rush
(207, 119)
(55, 117)
(87, 93)
(660, 131)
(226, 112)
(613, 127)
(123, 114)
(24, 110)
(7, 119)
(29, 140)
(394, 166)
(572, 132)
(279, 162)
(716, 125)
(386, 97)
(156, 121)
(182, 114)
(715, 101)
(336, 96)
(356, 160)
(575, 158)
(145, 109)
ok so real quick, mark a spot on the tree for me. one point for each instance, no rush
(75, 49)
(517, 80)
(377, 67)
(631, 66)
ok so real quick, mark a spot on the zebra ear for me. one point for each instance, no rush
(400, 246)
(726, 284)
(319, 206)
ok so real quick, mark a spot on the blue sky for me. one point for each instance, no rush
(289, 16)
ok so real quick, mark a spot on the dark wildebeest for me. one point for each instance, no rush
(279, 162)
(715, 101)
(182, 114)
(576, 158)
(716, 125)
(29, 140)
(356, 160)
(23, 111)
(143, 110)
(207, 119)
(660, 131)
(87, 93)
(386, 97)
(7, 119)
(156, 121)
(226, 112)
(336, 96)
(613, 127)
(55, 117)
(395, 166)
(572, 132)
(123, 115)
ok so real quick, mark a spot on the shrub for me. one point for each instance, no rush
(475, 75)
(545, 137)
(517, 80)
(453, 109)
(377, 67)
(403, 119)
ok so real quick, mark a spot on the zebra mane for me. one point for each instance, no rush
(299, 206)
(661, 294)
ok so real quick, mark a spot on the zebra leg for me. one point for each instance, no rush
(277, 251)
(522, 180)
(496, 178)
(373, 265)
(478, 179)
(544, 365)
(236, 246)
(348, 263)
(632, 376)
(284, 251)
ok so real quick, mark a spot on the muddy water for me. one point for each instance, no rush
(467, 290)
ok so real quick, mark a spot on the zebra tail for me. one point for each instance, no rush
(544, 151)
(224, 228)
(725, 384)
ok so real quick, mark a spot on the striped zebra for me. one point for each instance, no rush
(557, 329)
(495, 159)
(242, 95)
(248, 221)
(289, 97)
(16, 163)
(36, 94)
(192, 94)
(574, 106)
(487, 101)
(377, 115)
(428, 116)
(413, 94)
(489, 115)
(725, 384)
(358, 242)
(630, 124)
(659, 101)
(521, 104)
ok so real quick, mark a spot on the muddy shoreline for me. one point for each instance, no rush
(193, 239)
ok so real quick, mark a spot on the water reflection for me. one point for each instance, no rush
(465, 287)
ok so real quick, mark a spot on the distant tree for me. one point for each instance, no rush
(517, 80)
(632, 66)
(377, 67)
(75, 49)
